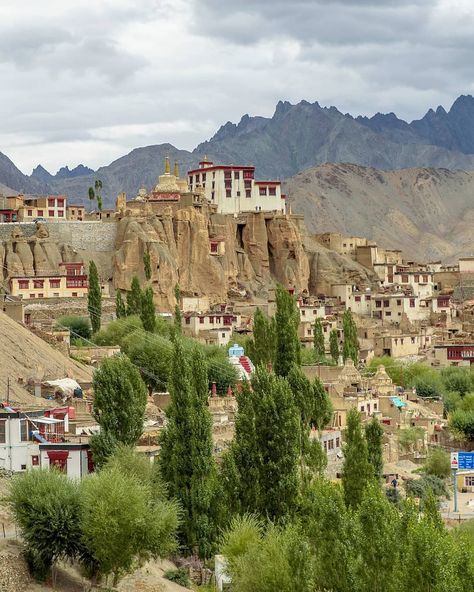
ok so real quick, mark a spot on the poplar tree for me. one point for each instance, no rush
(178, 317)
(147, 310)
(134, 297)
(120, 398)
(261, 348)
(94, 298)
(374, 437)
(319, 348)
(287, 318)
(351, 344)
(334, 345)
(264, 455)
(186, 461)
(356, 470)
(147, 265)
(120, 310)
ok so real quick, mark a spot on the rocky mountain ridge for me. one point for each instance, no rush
(296, 137)
(428, 213)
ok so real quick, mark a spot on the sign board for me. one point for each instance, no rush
(462, 460)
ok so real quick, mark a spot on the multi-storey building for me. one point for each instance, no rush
(70, 282)
(51, 207)
(233, 188)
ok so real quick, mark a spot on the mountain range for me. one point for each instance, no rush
(295, 138)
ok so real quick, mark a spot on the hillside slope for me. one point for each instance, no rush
(23, 356)
(426, 212)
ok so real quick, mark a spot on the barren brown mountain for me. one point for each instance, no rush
(429, 213)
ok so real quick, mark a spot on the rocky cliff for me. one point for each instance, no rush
(255, 251)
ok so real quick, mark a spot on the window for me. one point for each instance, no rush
(425, 279)
(201, 320)
(74, 294)
(228, 193)
(303, 313)
(248, 184)
(32, 295)
(54, 283)
(368, 297)
(38, 283)
(417, 278)
(412, 303)
(61, 214)
(60, 203)
(223, 335)
(309, 331)
(212, 195)
(236, 175)
(357, 298)
(204, 177)
(388, 313)
(272, 191)
(213, 185)
(56, 294)
(23, 284)
(30, 212)
(73, 212)
(23, 430)
(40, 295)
(386, 303)
(188, 320)
(248, 193)
(404, 279)
(40, 213)
(51, 202)
(3, 433)
(399, 302)
(378, 304)
(469, 480)
(34, 460)
(211, 320)
(262, 190)
(51, 213)
(227, 175)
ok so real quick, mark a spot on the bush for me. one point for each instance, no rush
(116, 331)
(457, 380)
(221, 371)
(80, 327)
(438, 463)
(179, 576)
(421, 487)
(152, 355)
(428, 385)
(462, 422)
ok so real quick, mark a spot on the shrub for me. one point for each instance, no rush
(421, 487)
(179, 576)
(116, 331)
(80, 327)
(438, 463)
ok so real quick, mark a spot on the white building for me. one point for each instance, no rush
(234, 189)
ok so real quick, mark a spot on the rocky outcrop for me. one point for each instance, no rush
(254, 251)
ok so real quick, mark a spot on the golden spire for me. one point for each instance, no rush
(176, 169)
(167, 165)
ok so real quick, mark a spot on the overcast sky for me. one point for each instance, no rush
(86, 81)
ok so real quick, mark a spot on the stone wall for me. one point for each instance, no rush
(84, 236)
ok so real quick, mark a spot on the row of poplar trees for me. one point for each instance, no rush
(350, 348)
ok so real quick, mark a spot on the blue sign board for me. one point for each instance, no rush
(465, 460)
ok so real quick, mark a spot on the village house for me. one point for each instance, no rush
(233, 188)
(420, 281)
(51, 208)
(214, 327)
(75, 213)
(70, 281)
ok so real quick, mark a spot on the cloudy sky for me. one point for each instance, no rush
(86, 81)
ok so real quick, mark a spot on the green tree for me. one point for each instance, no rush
(438, 463)
(46, 507)
(122, 523)
(186, 459)
(356, 470)
(319, 346)
(134, 297)
(147, 265)
(287, 320)
(119, 400)
(374, 437)
(457, 380)
(221, 372)
(350, 347)
(94, 297)
(261, 348)
(115, 332)
(178, 317)
(462, 423)
(79, 326)
(147, 310)
(152, 354)
(120, 309)
(334, 345)
(262, 469)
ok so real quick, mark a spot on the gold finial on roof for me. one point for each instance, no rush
(167, 165)
(176, 169)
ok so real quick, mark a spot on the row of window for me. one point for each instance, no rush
(386, 303)
(51, 213)
(25, 284)
(416, 279)
(329, 444)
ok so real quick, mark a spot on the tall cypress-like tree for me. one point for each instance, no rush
(186, 461)
(334, 346)
(178, 317)
(351, 343)
(204, 502)
(374, 436)
(266, 449)
(319, 347)
(261, 348)
(147, 310)
(356, 471)
(94, 297)
(134, 297)
(287, 318)
(120, 310)
(147, 265)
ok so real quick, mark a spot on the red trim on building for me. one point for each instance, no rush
(222, 167)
